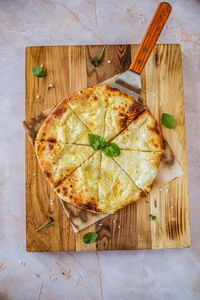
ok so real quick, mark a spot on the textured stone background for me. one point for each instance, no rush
(168, 274)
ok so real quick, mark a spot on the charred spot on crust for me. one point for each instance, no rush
(59, 111)
(47, 174)
(58, 190)
(131, 114)
(154, 129)
(52, 140)
(95, 97)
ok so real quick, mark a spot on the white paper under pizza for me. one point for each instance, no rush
(80, 219)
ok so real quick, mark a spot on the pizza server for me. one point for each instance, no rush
(129, 81)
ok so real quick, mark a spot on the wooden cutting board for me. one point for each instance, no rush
(69, 69)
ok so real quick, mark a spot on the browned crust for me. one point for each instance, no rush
(68, 192)
(156, 164)
(40, 148)
(57, 113)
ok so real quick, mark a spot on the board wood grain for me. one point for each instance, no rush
(69, 68)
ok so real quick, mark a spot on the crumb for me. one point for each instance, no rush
(160, 189)
(100, 224)
(119, 226)
(42, 66)
(37, 96)
(109, 61)
(114, 221)
(34, 174)
(50, 86)
(166, 190)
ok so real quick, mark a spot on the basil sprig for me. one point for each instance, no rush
(98, 60)
(168, 120)
(90, 237)
(97, 142)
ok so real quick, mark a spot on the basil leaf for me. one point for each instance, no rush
(111, 150)
(90, 237)
(168, 120)
(96, 141)
(39, 71)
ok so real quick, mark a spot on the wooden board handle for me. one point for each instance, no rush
(151, 36)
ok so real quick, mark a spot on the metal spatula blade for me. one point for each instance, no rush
(130, 81)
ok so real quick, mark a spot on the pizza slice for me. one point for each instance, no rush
(57, 161)
(142, 134)
(63, 126)
(81, 187)
(116, 189)
(141, 167)
(121, 110)
(90, 106)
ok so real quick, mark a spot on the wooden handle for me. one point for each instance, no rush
(151, 36)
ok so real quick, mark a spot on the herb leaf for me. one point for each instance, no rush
(168, 120)
(90, 237)
(49, 223)
(96, 141)
(152, 217)
(111, 149)
(98, 60)
(39, 71)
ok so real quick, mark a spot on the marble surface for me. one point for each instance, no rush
(166, 274)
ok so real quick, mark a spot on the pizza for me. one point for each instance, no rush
(120, 166)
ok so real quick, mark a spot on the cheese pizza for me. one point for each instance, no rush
(100, 149)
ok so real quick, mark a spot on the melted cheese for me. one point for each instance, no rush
(142, 167)
(60, 160)
(116, 189)
(139, 136)
(82, 184)
(65, 129)
(112, 116)
(90, 106)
